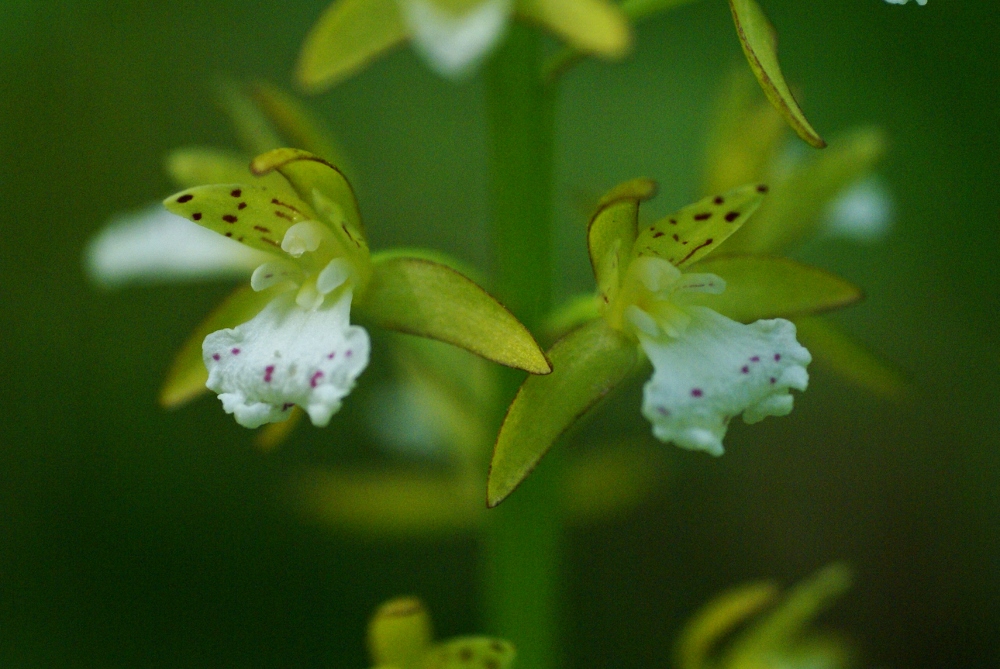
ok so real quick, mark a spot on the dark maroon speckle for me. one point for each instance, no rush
(774, 380)
(696, 392)
(746, 369)
(314, 379)
(331, 355)
(287, 405)
(268, 372)
(348, 353)
(777, 357)
(236, 193)
(756, 358)
(732, 216)
(718, 199)
(185, 198)
(762, 188)
(704, 216)
(229, 218)
(662, 411)
(235, 351)
(196, 215)
(241, 205)
(215, 356)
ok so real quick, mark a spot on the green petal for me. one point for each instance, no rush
(603, 483)
(428, 299)
(850, 360)
(187, 376)
(349, 35)
(717, 619)
(253, 128)
(592, 26)
(197, 166)
(323, 186)
(399, 634)
(295, 122)
(470, 652)
(765, 287)
(760, 44)
(253, 215)
(390, 504)
(612, 232)
(586, 365)
(686, 236)
(794, 209)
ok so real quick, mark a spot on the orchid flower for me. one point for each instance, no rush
(711, 328)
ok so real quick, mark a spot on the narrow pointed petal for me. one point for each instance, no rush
(716, 370)
(154, 245)
(428, 299)
(592, 26)
(586, 365)
(296, 122)
(765, 287)
(453, 43)
(688, 235)
(349, 35)
(760, 44)
(717, 619)
(287, 356)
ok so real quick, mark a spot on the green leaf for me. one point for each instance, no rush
(612, 232)
(198, 166)
(187, 376)
(686, 236)
(592, 26)
(586, 365)
(470, 652)
(426, 298)
(760, 44)
(349, 35)
(794, 209)
(253, 215)
(765, 287)
(850, 360)
(324, 187)
(717, 619)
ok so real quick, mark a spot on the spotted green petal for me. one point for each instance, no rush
(717, 619)
(399, 634)
(470, 652)
(428, 299)
(686, 236)
(586, 365)
(323, 186)
(187, 376)
(253, 215)
(591, 26)
(349, 35)
(847, 358)
(612, 232)
(295, 122)
(766, 287)
(760, 44)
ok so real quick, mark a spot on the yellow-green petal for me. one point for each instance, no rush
(760, 44)
(399, 634)
(612, 232)
(586, 365)
(428, 299)
(716, 619)
(349, 35)
(470, 652)
(252, 215)
(688, 235)
(847, 358)
(592, 26)
(187, 376)
(769, 287)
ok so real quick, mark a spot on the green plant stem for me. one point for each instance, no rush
(523, 535)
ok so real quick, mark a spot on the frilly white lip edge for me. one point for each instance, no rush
(286, 356)
(716, 370)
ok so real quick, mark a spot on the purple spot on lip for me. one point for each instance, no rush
(215, 356)
(696, 392)
(662, 411)
(756, 358)
(268, 371)
(774, 380)
(235, 351)
(348, 353)
(777, 357)
(746, 369)
(315, 379)
(331, 355)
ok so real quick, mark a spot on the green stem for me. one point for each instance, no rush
(523, 535)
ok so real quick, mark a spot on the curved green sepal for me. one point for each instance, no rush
(686, 236)
(197, 166)
(399, 634)
(323, 186)
(601, 484)
(349, 35)
(469, 652)
(760, 44)
(592, 26)
(612, 232)
(187, 376)
(252, 215)
(717, 619)
(850, 360)
(794, 209)
(586, 365)
(295, 122)
(766, 287)
(428, 299)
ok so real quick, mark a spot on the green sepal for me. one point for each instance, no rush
(324, 187)
(252, 215)
(769, 287)
(612, 232)
(688, 235)
(760, 44)
(717, 619)
(847, 358)
(196, 166)
(253, 128)
(587, 364)
(598, 27)
(349, 35)
(794, 209)
(469, 652)
(187, 376)
(428, 299)
(399, 633)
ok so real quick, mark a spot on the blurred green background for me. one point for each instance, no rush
(130, 536)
